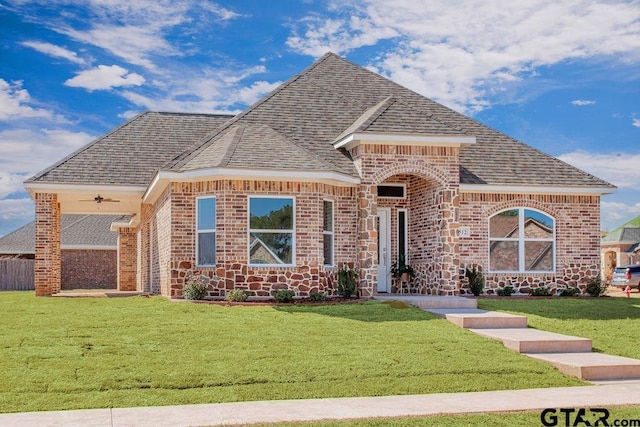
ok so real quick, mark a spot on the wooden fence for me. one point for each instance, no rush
(16, 274)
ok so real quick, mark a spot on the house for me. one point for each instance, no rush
(337, 166)
(621, 246)
(88, 250)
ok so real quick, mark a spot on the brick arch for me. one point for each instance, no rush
(413, 167)
(522, 203)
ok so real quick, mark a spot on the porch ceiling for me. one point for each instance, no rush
(83, 199)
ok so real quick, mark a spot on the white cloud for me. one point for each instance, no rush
(105, 77)
(636, 123)
(614, 214)
(204, 91)
(15, 103)
(11, 183)
(139, 37)
(582, 102)
(24, 152)
(459, 52)
(130, 43)
(620, 169)
(55, 51)
(129, 114)
(11, 209)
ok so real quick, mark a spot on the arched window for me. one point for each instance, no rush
(521, 240)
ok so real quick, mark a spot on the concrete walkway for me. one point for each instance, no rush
(243, 413)
(570, 355)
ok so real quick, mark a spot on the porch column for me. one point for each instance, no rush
(47, 245)
(448, 202)
(367, 241)
(127, 259)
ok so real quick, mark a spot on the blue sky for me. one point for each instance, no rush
(563, 76)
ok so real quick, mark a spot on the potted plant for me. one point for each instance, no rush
(401, 270)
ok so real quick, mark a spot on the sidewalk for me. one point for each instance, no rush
(242, 413)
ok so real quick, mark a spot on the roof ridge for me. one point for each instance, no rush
(79, 220)
(43, 172)
(429, 114)
(237, 137)
(184, 157)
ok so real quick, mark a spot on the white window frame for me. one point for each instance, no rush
(283, 231)
(329, 233)
(393, 184)
(521, 239)
(206, 230)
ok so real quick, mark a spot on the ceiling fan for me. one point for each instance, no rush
(99, 199)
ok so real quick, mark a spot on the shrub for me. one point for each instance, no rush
(595, 287)
(476, 280)
(318, 296)
(195, 288)
(236, 295)
(541, 291)
(347, 280)
(507, 291)
(570, 292)
(283, 295)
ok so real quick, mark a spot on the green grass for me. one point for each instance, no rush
(613, 324)
(519, 419)
(58, 353)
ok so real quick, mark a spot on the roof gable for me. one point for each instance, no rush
(254, 145)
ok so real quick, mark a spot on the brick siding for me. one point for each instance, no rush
(89, 269)
(47, 245)
(175, 217)
(577, 221)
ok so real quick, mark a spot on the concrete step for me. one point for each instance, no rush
(481, 319)
(431, 301)
(527, 340)
(592, 366)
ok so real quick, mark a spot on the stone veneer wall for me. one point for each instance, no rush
(435, 177)
(577, 239)
(174, 217)
(89, 269)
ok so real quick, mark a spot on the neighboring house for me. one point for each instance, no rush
(621, 246)
(88, 250)
(338, 166)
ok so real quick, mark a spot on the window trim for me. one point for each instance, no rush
(521, 239)
(206, 230)
(332, 233)
(283, 231)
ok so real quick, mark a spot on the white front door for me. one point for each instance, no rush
(384, 250)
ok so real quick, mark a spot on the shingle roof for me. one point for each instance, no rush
(132, 153)
(256, 145)
(76, 230)
(627, 232)
(294, 127)
(334, 96)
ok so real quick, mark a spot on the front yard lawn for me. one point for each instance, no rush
(613, 324)
(58, 353)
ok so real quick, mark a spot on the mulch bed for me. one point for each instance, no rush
(273, 303)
